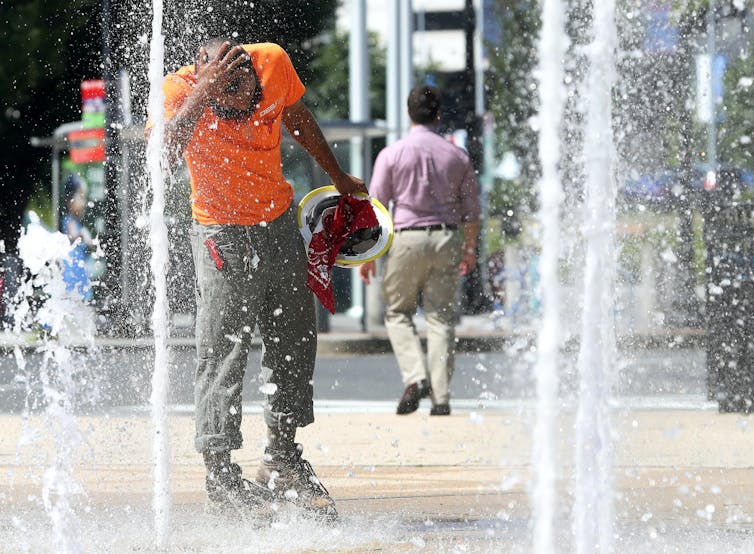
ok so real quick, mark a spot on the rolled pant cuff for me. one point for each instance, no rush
(217, 443)
(276, 420)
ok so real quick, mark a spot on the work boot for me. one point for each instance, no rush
(230, 494)
(290, 477)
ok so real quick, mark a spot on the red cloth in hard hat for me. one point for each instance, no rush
(349, 216)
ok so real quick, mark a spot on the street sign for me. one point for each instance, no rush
(87, 145)
(93, 103)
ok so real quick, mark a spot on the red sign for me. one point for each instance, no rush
(93, 103)
(87, 146)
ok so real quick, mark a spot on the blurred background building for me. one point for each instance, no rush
(435, 42)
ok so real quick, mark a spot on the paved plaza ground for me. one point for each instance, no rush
(684, 482)
(683, 473)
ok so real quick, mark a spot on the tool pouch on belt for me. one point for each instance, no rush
(215, 253)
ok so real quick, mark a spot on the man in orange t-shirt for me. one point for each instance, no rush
(224, 116)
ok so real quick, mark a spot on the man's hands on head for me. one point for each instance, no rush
(214, 74)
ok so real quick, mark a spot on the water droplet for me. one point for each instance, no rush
(268, 389)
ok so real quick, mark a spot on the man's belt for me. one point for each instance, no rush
(436, 227)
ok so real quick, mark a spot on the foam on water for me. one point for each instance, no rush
(45, 306)
(121, 530)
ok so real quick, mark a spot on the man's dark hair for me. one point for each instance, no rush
(213, 44)
(424, 104)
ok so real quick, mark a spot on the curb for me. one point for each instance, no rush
(365, 343)
(345, 343)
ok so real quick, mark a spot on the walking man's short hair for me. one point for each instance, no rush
(424, 104)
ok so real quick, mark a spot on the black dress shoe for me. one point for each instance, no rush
(440, 409)
(409, 402)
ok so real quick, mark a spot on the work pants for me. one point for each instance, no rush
(248, 276)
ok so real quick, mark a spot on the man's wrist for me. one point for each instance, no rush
(202, 91)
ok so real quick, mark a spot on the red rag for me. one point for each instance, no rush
(350, 215)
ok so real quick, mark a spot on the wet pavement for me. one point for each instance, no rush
(683, 479)
(491, 364)
(417, 483)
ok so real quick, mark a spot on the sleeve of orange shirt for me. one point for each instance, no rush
(296, 89)
(176, 90)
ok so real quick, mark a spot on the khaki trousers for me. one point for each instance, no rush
(426, 262)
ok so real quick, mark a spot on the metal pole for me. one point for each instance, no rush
(406, 61)
(358, 70)
(393, 109)
(392, 98)
(486, 147)
(479, 58)
(471, 123)
(56, 186)
(358, 78)
(124, 105)
(114, 300)
(711, 125)
(473, 286)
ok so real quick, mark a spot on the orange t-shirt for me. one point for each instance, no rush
(235, 166)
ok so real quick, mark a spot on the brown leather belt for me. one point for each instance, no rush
(436, 227)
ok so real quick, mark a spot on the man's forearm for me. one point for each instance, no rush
(306, 131)
(180, 128)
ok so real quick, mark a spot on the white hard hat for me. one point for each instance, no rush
(361, 246)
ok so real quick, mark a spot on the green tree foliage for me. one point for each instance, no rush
(294, 24)
(511, 81)
(513, 102)
(46, 48)
(47, 45)
(736, 132)
(328, 91)
(291, 23)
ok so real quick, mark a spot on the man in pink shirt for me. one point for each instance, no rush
(432, 186)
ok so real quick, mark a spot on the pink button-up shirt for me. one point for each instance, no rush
(429, 180)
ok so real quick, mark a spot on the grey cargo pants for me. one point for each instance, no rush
(262, 280)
